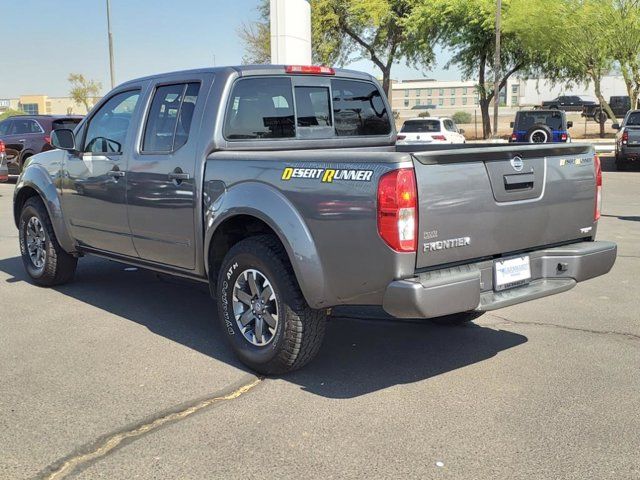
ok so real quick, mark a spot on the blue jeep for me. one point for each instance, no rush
(541, 126)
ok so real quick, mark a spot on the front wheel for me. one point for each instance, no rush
(44, 259)
(262, 311)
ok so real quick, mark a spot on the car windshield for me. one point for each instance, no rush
(526, 120)
(634, 119)
(420, 126)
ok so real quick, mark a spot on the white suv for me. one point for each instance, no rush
(430, 130)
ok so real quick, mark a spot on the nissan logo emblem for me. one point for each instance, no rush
(517, 164)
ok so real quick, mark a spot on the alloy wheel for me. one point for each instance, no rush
(255, 307)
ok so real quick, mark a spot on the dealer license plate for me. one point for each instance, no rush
(511, 272)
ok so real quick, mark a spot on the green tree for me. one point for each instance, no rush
(256, 37)
(377, 30)
(570, 38)
(467, 28)
(83, 90)
(622, 27)
(10, 113)
(349, 30)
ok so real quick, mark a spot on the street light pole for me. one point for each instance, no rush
(111, 67)
(496, 70)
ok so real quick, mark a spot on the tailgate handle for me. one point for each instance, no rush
(519, 182)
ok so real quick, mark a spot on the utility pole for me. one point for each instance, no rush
(111, 67)
(496, 70)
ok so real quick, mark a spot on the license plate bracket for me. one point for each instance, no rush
(511, 272)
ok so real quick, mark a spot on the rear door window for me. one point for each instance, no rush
(358, 109)
(25, 126)
(170, 116)
(262, 108)
(5, 127)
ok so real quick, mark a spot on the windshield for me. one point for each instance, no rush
(634, 119)
(526, 120)
(420, 126)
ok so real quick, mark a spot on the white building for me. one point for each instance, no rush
(410, 97)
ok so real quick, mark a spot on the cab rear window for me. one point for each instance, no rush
(272, 108)
(261, 108)
(358, 109)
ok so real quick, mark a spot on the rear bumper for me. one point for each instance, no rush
(630, 152)
(470, 287)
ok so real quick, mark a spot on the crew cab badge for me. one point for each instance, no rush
(517, 164)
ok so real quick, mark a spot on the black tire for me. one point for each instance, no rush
(539, 133)
(58, 266)
(299, 330)
(457, 318)
(23, 161)
(600, 116)
(621, 164)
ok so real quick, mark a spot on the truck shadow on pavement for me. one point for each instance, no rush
(358, 356)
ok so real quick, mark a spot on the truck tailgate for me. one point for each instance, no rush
(486, 202)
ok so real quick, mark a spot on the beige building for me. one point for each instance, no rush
(428, 94)
(45, 105)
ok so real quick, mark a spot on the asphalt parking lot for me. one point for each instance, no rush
(123, 374)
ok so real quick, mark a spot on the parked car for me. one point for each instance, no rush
(568, 103)
(541, 126)
(249, 184)
(619, 104)
(430, 130)
(4, 171)
(628, 140)
(26, 135)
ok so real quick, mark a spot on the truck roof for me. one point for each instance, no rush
(247, 70)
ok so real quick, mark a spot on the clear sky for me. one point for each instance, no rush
(51, 39)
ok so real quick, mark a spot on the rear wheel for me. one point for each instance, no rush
(539, 134)
(266, 319)
(44, 259)
(621, 164)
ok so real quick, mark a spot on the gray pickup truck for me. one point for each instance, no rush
(628, 140)
(284, 190)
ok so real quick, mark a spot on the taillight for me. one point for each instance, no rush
(598, 172)
(439, 137)
(47, 139)
(2, 147)
(563, 137)
(401, 137)
(397, 209)
(310, 69)
(625, 138)
(514, 137)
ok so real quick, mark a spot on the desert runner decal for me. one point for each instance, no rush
(327, 175)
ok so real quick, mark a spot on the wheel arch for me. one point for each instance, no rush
(35, 181)
(254, 209)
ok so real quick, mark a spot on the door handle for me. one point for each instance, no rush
(178, 176)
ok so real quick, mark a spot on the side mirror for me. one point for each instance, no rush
(63, 139)
(569, 124)
(461, 131)
(616, 126)
(513, 124)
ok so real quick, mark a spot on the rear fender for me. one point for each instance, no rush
(269, 205)
(37, 178)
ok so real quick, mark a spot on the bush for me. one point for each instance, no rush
(424, 113)
(462, 117)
